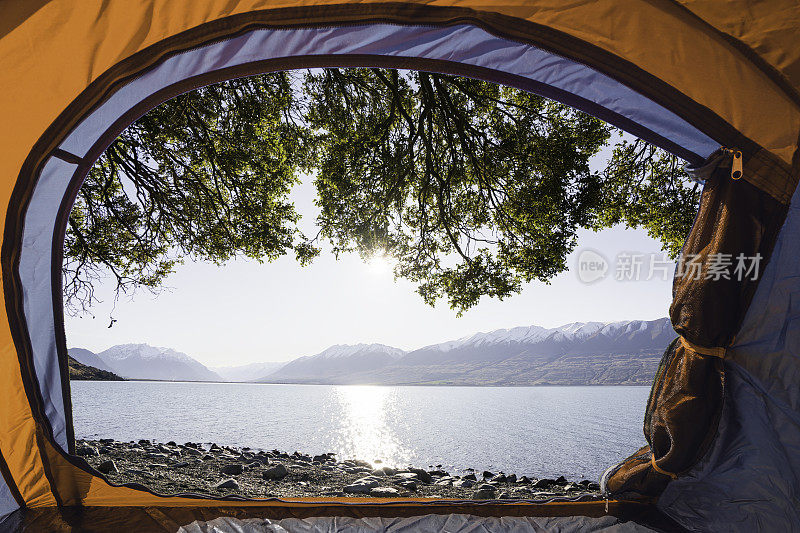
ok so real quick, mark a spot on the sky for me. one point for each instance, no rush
(246, 312)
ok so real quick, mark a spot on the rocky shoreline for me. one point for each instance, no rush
(171, 468)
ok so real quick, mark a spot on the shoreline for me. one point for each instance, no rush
(171, 468)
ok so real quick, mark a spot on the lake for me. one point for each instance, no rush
(537, 431)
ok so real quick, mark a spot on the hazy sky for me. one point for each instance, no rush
(246, 312)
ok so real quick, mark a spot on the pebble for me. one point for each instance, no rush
(156, 455)
(231, 470)
(108, 467)
(422, 475)
(362, 485)
(228, 484)
(384, 492)
(408, 484)
(484, 493)
(275, 473)
(86, 451)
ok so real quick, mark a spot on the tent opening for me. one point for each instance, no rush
(242, 174)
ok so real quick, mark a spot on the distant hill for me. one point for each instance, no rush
(142, 361)
(89, 358)
(337, 363)
(79, 371)
(580, 353)
(246, 372)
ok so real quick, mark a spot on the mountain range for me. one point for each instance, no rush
(579, 353)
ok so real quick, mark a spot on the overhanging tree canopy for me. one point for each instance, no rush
(474, 188)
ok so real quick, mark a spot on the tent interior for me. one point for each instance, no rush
(714, 85)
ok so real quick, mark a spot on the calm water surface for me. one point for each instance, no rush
(540, 431)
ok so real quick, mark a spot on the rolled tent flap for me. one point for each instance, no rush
(724, 255)
(717, 274)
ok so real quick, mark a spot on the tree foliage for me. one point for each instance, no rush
(472, 188)
(204, 176)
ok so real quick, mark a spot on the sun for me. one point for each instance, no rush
(380, 264)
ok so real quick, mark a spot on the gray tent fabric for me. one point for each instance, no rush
(461, 44)
(7, 502)
(750, 479)
(454, 523)
(35, 270)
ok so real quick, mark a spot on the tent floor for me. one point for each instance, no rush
(475, 518)
(450, 523)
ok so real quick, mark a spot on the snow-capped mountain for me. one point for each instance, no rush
(624, 352)
(535, 341)
(142, 361)
(337, 362)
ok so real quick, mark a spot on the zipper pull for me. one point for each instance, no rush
(736, 166)
(737, 170)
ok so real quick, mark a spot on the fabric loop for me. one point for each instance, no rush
(660, 470)
(702, 173)
(717, 351)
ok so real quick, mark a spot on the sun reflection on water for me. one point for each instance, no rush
(366, 432)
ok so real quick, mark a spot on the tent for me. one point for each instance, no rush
(714, 82)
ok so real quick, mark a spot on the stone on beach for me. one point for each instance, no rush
(86, 451)
(422, 475)
(362, 485)
(232, 470)
(275, 473)
(228, 484)
(484, 492)
(408, 484)
(107, 467)
(384, 492)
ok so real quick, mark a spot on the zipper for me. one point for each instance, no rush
(736, 162)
